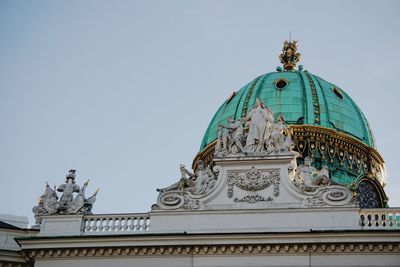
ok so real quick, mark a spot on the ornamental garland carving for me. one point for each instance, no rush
(253, 180)
(253, 199)
(329, 146)
(335, 195)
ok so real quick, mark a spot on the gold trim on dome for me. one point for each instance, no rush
(247, 99)
(330, 144)
(317, 119)
(207, 155)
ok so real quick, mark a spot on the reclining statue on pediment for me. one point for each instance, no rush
(184, 182)
(185, 193)
(318, 189)
(309, 178)
(199, 183)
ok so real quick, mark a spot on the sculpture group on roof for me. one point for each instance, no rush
(68, 204)
(261, 137)
(191, 186)
(196, 183)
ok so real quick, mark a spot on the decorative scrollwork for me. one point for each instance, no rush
(334, 195)
(191, 204)
(173, 200)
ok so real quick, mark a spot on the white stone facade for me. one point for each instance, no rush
(227, 227)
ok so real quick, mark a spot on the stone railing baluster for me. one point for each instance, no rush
(135, 223)
(380, 218)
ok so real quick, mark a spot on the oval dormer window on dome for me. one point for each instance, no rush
(336, 91)
(281, 83)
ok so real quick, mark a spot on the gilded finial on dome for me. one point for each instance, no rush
(289, 56)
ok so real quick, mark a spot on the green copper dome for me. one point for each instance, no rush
(326, 126)
(302, 98)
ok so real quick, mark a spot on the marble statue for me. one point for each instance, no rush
(263, 137)
(199, 183)
(221, 148)
(230, 140)
(67, 190)
(317, 189)
(80, 202)
(47, 204)
(87, 202)
(311, 177)
(204, 179)
(68, 204)
(183, 183)
(260, 119)
(185, 193)
(279, 143)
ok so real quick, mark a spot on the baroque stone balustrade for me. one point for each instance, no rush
(139, 223)
(380, 218)
(132, 223)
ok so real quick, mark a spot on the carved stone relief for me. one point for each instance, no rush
(251, 199)
(335, 195)
(253, 181)
(177, 200)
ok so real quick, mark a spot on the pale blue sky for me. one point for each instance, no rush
(123, 91)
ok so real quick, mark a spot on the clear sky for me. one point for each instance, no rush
(123, 91)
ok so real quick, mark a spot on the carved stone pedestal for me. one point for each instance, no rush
(252, 183)
(68, 225)
(254, 194)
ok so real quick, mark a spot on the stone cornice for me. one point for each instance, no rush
(262, 249)
(11, 256)
(353, 242)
